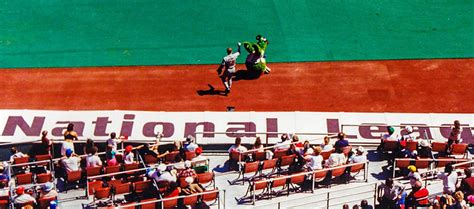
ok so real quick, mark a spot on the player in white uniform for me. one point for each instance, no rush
(229, 63)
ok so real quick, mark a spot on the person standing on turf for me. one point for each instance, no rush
(229, 63)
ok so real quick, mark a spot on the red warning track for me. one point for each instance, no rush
(443, 85)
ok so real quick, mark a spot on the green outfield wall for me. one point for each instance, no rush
(53, 33)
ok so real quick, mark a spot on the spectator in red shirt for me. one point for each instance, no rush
(418, 197)
(467, 184)
(188, 171)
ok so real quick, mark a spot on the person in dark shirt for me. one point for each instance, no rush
(341, 142)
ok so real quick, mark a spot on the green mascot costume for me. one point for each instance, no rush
(256, 58)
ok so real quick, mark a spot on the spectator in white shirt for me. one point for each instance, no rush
(450, 178)
(359, 157)
(161, 174)
(336, 159)
(307, 149)
(284, 144)
(190, 144)
(315, 160)
(327, 146)
(22, 197)
(129, 157)
(408, 134)
(16, 154)
(92, 159)
(113, 141)
(71, 162)
(237, 147)
(413, 176)
(65, 145)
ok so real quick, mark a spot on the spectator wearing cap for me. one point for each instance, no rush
(341, 141)
(92, 159)
(237, 147)
(326, 146)
(190, 144)
(418, 197)
(22, 197)
(200, 162)
(467, 184)
(161, 174)
(390, 135)
(315, 161)
(413, 175)
(129, 157)
(48, 191)
(188, 171)
(71, 162)
(449, 177)
(359, 157)
(408, 134)
(424, 150)
(191, 188)
(16, 154)
(389, 193)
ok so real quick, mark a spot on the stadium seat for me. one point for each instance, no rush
(390, 145)
(43, 177)
(412, 145)
(102, 193)
(355, 169)
(268, 164)
(280, 153)
(252, 189)
(212, 196)
(422, 163)
(296, 179)
(237, 156)
(287, 160)
(190, 200)
(438, 146)
(73, 177)
(41, 158)
(162, 186)
(278, 182)
(150, 159)
(250, 167)
(26, 178)
(260, 156)
(93, 185)
(207, 177)
(189, 155)
(141, 186)
(167, 204)
(93, 171)
(171, 157)
(20, 160)
(45, 202)
(319, 176)
(122, 188)
(148, 203)
(112, 169)
(459, 149)
(337, 172)
(326, 154)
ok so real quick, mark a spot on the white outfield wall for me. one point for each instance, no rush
(26, 125)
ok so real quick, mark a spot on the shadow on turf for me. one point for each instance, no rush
(246, 75)
(211, 91)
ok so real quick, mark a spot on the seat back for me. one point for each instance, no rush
(267, 164)
(131, 166)
(402, 163)
(438, 146)
(287, 160)
(260, 156)
(319, 175)
(170, 203)
(20, 160)
(237, 156)
(210, 196)
(278, 182)
(412, 145)
(189, 155)
(93, 185)
(102, 193)
(93, 171)
(150, 205)
(190, 200)
(171, 157)
(162, 185)
(4, 204)
(44, 177)
(357, 167)
(206, 177)
(26, 178)
(141, 186)
(390, 145)
(297, 178)
(326, 154)
(251, 167)
(122, 188)
(41, 158)
(44, 202)
(422, 163)
(112, 169)
(150, 159)
(280, 153)
(459, 149)
(260, 184)
(338, 171)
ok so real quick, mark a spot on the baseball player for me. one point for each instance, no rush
(229, 63)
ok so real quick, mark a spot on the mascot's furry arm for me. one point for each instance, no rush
(255, 60)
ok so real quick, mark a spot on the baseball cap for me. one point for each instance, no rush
(409, 129)
(69, 152)
(187, 164)
(48, 186)
(198, 151)
(128, 148)
(412, 168)
(161, 168)
(20, 190)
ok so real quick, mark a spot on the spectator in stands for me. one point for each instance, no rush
(467, 184)
(355, 207)
(161, 174)
(200, 163)
(418, 197)
(88, 148)
(188, 170)
(129, 157)
(4, 191)
(146, 150)
(424, 150)
(22, 197)
(284, 144)
(408, 134)
(237, 147)
(92, 159)
(3, 175)
(190, 144)
(359, 157)
(389, 136)
(315, 161)
(71, 162)
(172, 191)
(15, 154)
(45, 147)
(341, 142)
(48, 191)
(257, 145)
(413, 176)
(364, 204)
(296, 141)
(389, 193)
(191, 188)
(459, 201)
(345, 206)
(454, 136)
(307, 149)
(326, 146)
(70, 133)
(112, 142)
(69, 136)
(449, 177)
(336, 159)
(111, 160)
